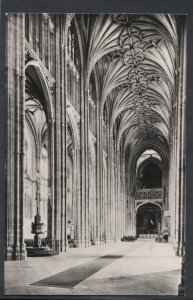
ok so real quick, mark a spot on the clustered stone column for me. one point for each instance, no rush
(15, 84)
(177, 191)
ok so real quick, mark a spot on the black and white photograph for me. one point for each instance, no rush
(95, 154)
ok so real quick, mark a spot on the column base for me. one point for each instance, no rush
(181, 286)
(98, 242)
(179, 249)
(181, 290)
(54, 245)
(87, 243)
(15, 253)
(63, 247)
(108, 241)
(78, 243)
(82, 243)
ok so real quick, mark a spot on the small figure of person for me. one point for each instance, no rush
(151, 225)
(165, 234)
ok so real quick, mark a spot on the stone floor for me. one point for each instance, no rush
(142, 268)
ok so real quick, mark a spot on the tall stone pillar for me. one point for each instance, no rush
(86, 147)
(108, 185)
(113, 224)
(63, 26)
(15, 88)
(181, 141)
(105, 210)
(111, 188)
(78, 237)
(99, 175)
(51, 194)
(127, 199)
(83, 164)
(58, 130)
(118, 199)
(124, 198)
(94, 204)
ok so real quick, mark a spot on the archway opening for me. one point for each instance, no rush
(36, 167)
(38, 113)
(149, 170)
(150, 176)
(148, 220)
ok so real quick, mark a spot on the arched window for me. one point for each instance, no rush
(149, 170)
(151, 176)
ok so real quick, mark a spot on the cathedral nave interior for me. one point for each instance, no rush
(95, 131)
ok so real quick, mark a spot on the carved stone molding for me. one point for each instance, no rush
(92, 137)
(51, 85)
(32, 55)
(90, 101)
(49, 21)
(75, 113)
(51, 121)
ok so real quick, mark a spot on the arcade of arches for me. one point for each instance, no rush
(96, 128)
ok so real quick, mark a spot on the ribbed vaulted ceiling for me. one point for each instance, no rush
(134, 58)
